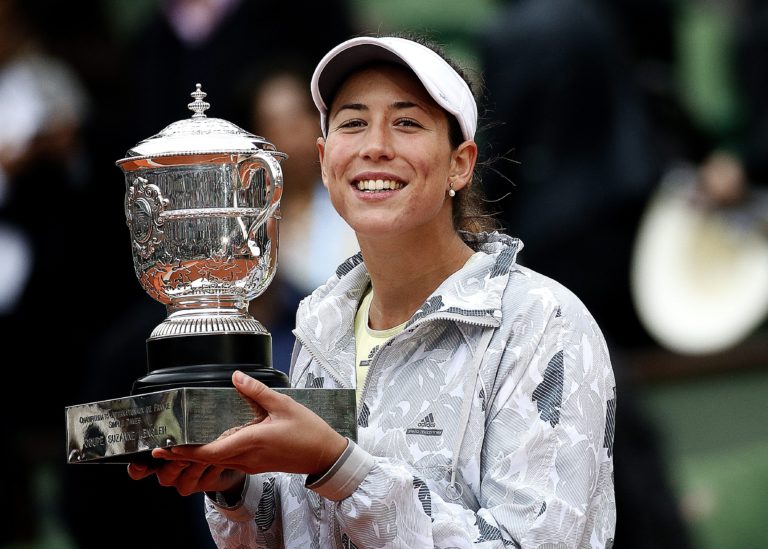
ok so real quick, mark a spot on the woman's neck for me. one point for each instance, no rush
(404, 276)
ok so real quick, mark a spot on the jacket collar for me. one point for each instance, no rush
(473, 295)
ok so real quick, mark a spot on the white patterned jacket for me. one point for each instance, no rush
(488, 422)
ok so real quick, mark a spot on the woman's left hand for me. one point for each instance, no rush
(290, 438)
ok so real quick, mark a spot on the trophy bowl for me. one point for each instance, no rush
(202, 204)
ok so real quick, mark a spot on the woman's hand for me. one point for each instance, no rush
(189, 478)
(290, 438)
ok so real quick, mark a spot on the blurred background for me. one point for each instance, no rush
(625, 142)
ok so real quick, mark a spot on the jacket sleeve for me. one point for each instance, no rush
(254, 522)
(546, 470)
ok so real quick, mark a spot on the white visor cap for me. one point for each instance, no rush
(447, 88)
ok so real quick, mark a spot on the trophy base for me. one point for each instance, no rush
(126, 430)
(210, 348)
(206, 375)
(208, 360)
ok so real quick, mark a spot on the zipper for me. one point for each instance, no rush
(493, 322)
(484, 322)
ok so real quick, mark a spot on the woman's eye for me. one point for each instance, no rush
(355, 123)
(408, 123)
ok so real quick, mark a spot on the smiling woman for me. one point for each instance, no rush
(454, 97)
(485, 391)
(384, 127)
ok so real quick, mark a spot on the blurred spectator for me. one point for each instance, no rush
(582, 162)
(314, 240)
(42, 106)
(219, 43)
(82, 34)
(752, 71)
(710, 191)
(738, 160)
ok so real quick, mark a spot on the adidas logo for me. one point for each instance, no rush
(428, 421)
(425, 427)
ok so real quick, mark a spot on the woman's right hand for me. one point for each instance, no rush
(189, 478)
(283, 436)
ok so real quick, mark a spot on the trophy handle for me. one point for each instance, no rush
(274, 188)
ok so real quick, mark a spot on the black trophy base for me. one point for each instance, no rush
(205, 375)
(208, 360)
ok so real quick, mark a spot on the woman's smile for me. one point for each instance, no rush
(378, 185)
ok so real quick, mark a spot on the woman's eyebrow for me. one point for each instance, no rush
(404, 105)
(397, 105)
(352, 106)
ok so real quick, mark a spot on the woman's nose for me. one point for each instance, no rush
(377, 143)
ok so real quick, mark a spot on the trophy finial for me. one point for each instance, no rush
(198, 106)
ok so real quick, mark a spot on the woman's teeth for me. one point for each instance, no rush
(378, 185)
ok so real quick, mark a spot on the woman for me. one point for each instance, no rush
(485, 414)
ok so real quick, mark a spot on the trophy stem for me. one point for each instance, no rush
(195, 322)
(207, 304)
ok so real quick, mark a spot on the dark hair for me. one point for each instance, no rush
(469, 212)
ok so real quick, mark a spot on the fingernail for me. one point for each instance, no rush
(238, 377)
(139, 467)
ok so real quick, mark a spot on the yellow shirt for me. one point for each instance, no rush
(367, 341)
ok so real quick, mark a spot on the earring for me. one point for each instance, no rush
(451, 192)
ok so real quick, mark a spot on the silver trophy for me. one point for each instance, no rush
(203, 206)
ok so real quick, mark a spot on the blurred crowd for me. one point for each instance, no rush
(587, 104)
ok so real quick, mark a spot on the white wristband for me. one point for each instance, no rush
(344, 476)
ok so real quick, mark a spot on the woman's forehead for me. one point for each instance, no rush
(383, 79)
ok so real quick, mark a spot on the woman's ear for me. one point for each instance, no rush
(321, 155)
(463, 160)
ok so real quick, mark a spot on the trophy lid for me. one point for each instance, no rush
(198, 135)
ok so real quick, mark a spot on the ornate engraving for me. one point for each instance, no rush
(144, 206)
